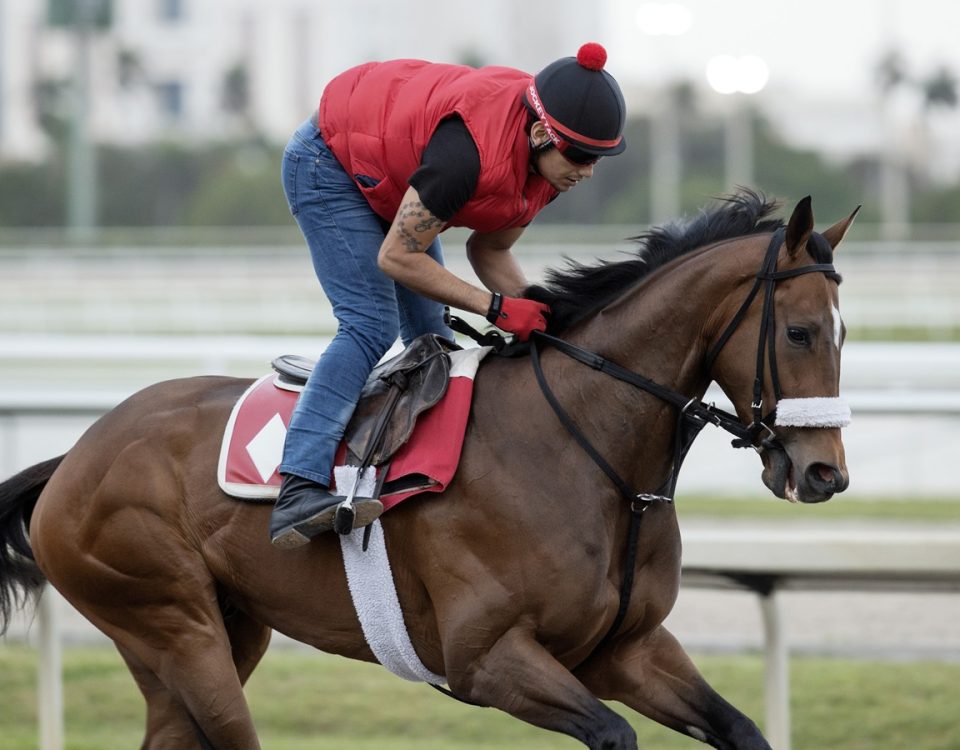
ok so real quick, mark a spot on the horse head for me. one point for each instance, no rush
(779, 360)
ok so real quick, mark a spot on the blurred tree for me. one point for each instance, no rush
(68, 13)
(936, 205)
(51, 106)
(237, 183)
(471, 57)
(940, 89)
(245, 189)
(790, 174)
(235, 98)
(130, 70)
(907, 158)
(891, 71)
(152, 186)
(32, 196)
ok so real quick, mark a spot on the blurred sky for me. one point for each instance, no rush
(825, 48)
(822, 57)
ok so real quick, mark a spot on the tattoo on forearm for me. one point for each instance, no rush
(425, 222)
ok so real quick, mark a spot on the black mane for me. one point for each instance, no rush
(577, 290)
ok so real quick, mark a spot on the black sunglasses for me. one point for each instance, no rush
(578, 156)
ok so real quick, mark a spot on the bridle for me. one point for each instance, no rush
(767, 278)
(692, 413)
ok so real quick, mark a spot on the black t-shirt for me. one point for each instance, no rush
(449, 169)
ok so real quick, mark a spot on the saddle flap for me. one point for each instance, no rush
(422, 373)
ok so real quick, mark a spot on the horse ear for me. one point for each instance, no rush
(835, 233)
(800, 227)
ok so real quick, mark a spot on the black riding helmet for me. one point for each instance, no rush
(580, 103)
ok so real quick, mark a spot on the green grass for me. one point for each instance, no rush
(303, 699)
(946, 333)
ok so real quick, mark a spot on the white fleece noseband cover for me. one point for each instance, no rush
(812, 412)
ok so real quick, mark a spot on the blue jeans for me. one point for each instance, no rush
(344, 236)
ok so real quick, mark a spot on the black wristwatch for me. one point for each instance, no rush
(496, 305)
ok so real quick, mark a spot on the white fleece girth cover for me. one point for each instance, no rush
(378, 608)
(812, 412)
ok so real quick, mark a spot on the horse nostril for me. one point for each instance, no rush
(825, 477)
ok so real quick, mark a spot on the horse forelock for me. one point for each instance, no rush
(577, 290)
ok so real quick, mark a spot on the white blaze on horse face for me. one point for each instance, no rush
(837, 326)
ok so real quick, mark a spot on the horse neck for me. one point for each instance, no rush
(663, 326)
(661, 329)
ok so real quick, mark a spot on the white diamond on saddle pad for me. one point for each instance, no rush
(266, 448)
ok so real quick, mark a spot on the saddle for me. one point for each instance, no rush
(396, 393)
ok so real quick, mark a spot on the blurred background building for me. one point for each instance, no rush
(211, 69)
(859, 100)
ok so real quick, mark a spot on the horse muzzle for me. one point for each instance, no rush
(804, 462)
(791, 478)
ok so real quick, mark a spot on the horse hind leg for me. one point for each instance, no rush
(654, 676)
(249, 639)
(120, 551)
(171, 632)
(169, 726)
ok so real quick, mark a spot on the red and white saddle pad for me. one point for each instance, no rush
(253, 440)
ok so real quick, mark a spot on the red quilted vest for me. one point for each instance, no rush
(377, 119)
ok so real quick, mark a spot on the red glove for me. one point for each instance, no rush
(517, 315)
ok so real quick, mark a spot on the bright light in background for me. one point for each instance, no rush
(727, 74)
(664, 19)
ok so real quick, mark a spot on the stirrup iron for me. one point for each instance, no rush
(346, 513)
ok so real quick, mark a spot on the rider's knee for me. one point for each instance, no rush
(374, 337)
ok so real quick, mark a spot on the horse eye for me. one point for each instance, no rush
(798, 336)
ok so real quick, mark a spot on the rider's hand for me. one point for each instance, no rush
(517, 315)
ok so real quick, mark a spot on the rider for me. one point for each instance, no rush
(398, 152)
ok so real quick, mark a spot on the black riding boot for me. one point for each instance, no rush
(305, 509)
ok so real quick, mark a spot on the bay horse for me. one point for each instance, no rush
(512, 582)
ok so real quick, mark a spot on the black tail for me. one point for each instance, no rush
(20, 578)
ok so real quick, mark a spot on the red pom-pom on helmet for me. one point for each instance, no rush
(592, 56)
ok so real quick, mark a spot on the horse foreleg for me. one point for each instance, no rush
(653, 675)
(519, 676)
